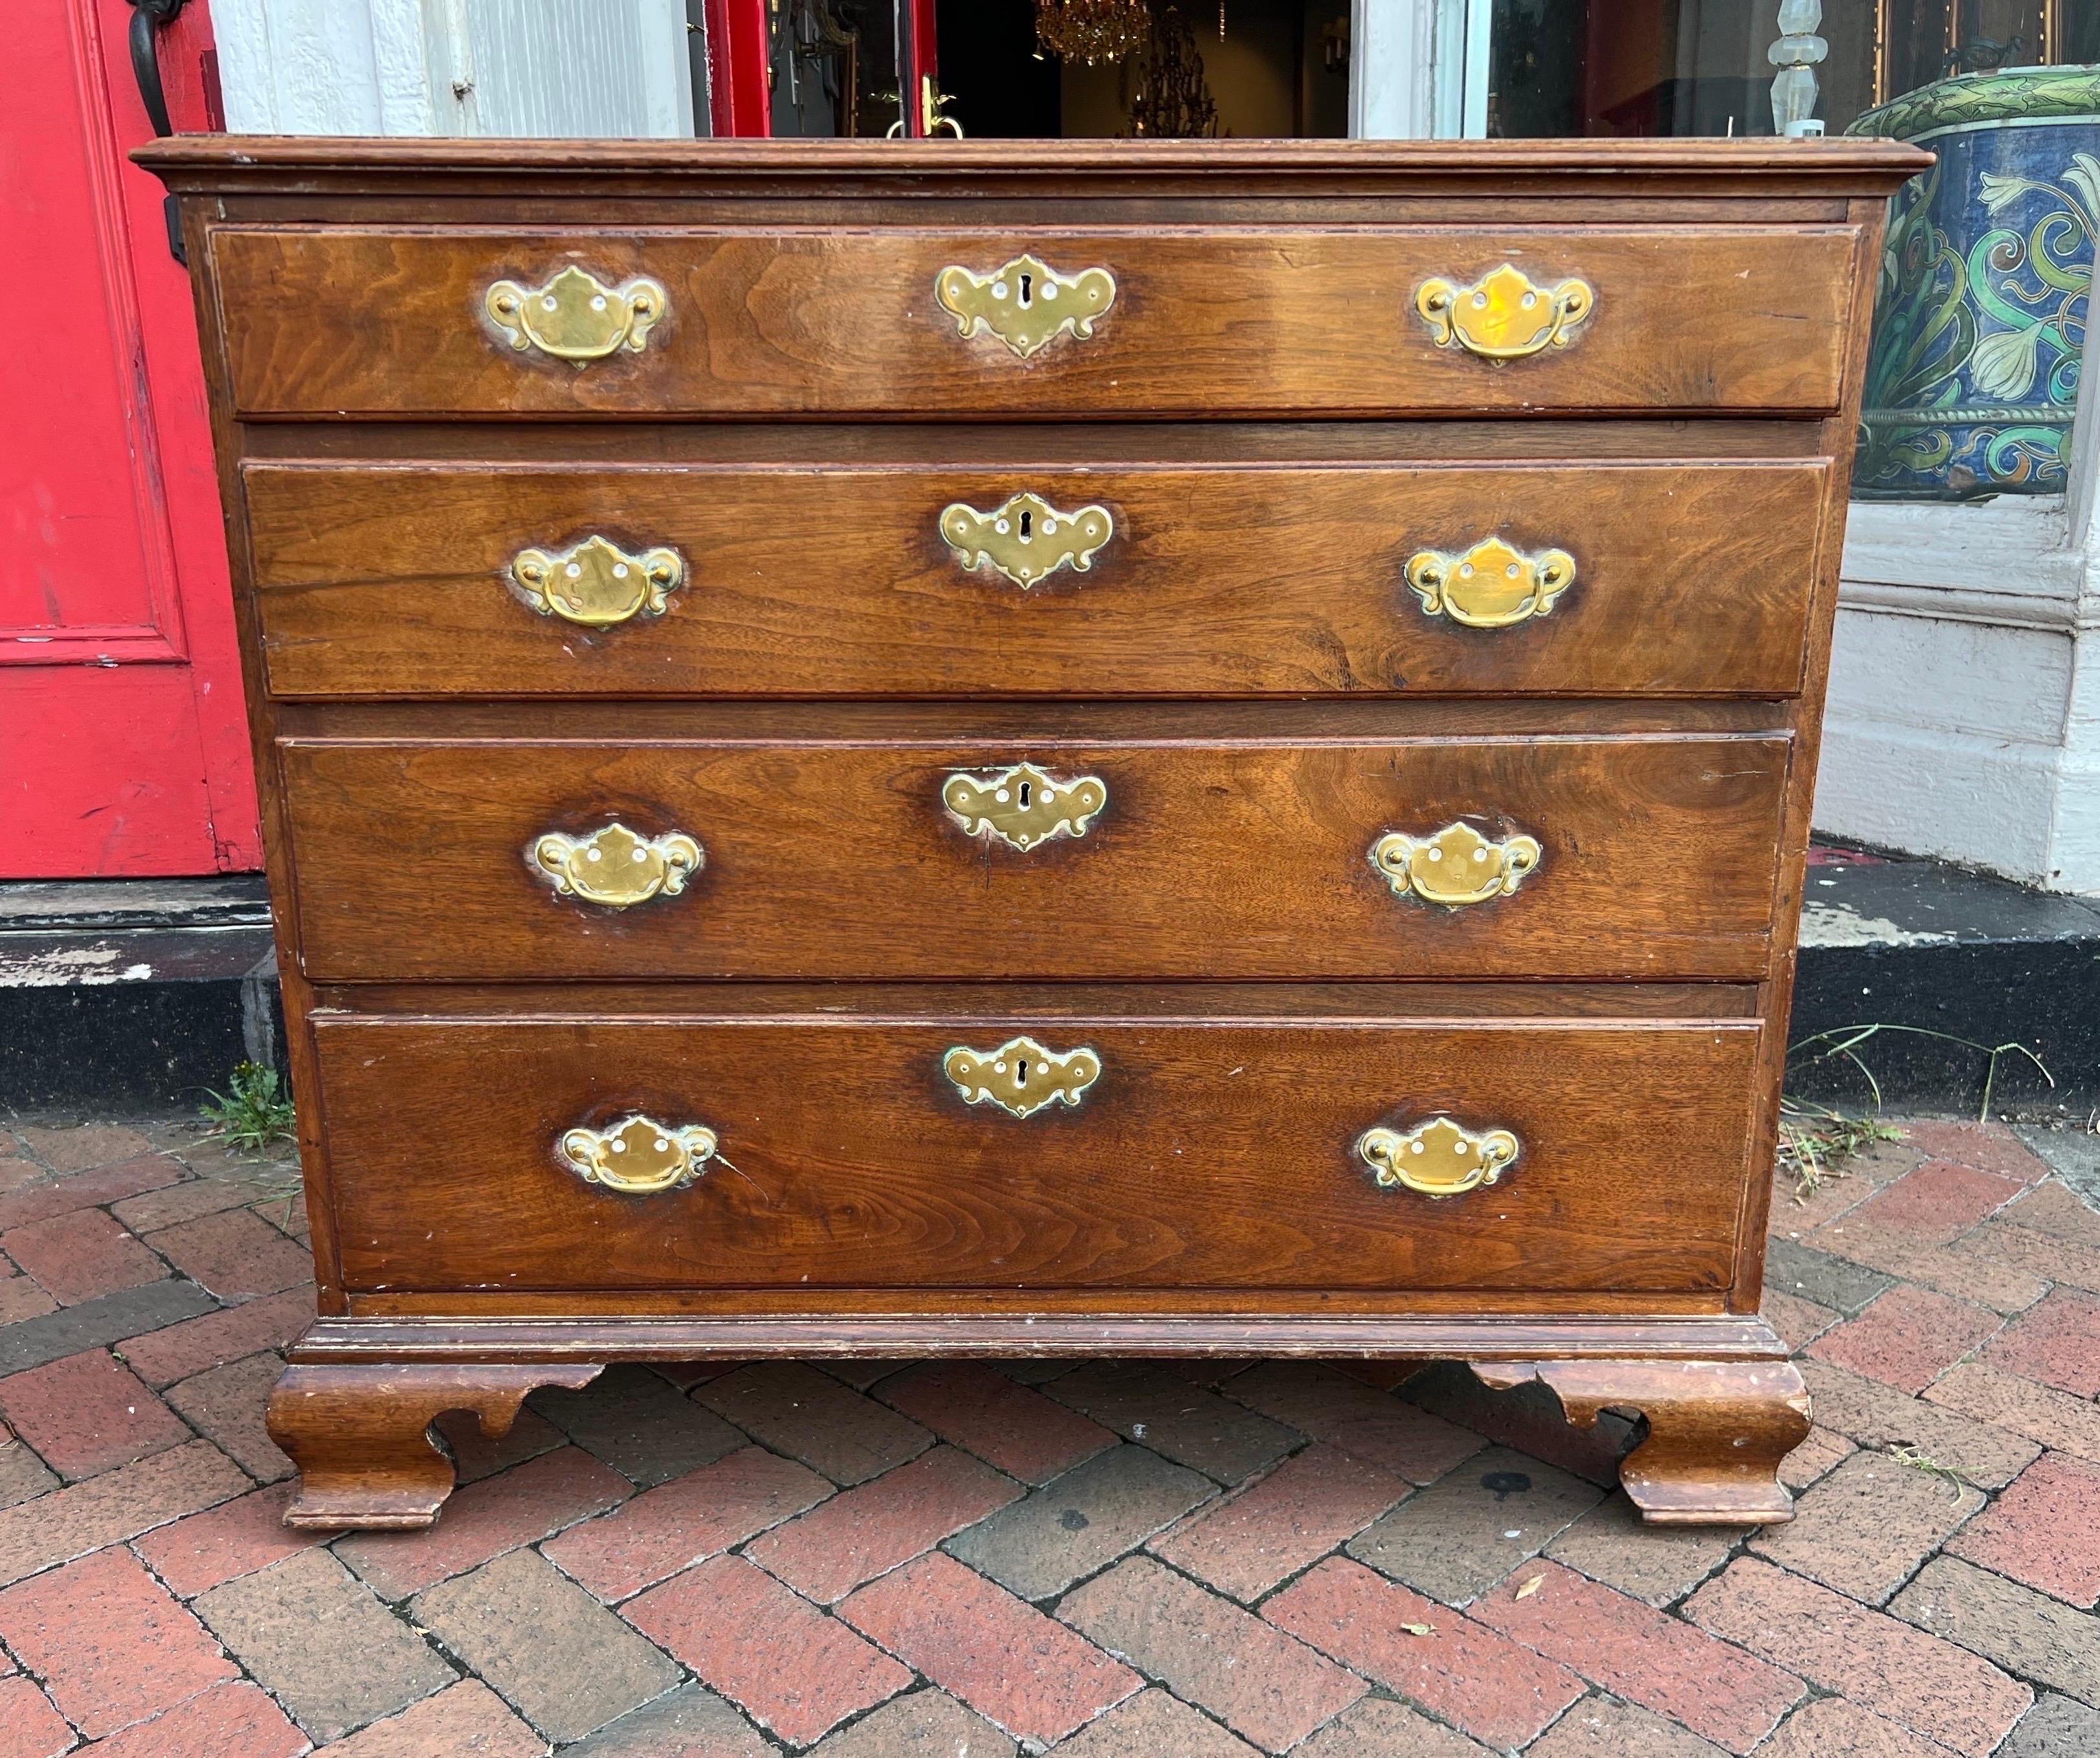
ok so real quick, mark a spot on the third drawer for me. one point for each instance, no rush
(1643, 855)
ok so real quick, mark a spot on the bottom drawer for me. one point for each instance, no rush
(478, 1155)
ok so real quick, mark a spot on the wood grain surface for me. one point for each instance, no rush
(1233, 580)
(1216, 1155)
(1269, 418)
(837, 860)
(831, 321)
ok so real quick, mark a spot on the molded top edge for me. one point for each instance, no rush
(211, 163)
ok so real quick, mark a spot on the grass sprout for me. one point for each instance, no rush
(253, 1113)
(1918, 1460)
(1815, 1142)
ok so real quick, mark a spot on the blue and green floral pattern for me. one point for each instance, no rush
(1979, 327)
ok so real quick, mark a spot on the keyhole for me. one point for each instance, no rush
(1027, 282)
(1027, 520)
(1024, 788)
(1020, 1072)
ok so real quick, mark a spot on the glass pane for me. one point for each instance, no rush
(1185, 69)
(1703, 67)
(1535, 69)
(834, 67)
(2079, 26)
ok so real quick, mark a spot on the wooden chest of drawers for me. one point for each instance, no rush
(1027, 748)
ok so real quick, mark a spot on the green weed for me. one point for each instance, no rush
(254, 1112)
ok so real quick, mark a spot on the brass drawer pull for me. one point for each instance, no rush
(1438, 1158)
(1022, 807)
(1492, 585)
(1027, 540)
(638, 1154)
(576, 316)
(1457, 865)
(1504, 316)
(1021, 1076)
(597, 583)
(1027, 304)
(615, 867)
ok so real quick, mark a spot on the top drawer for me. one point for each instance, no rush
(1367, 322)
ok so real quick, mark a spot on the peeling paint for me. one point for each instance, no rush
(63, 969)
(1826, 924)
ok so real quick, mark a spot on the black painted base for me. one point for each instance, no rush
(1916, 944)
(132, 996)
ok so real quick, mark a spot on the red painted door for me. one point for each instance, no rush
(123, 748)
(922, 59)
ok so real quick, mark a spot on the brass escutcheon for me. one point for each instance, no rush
(1438, 1158)
(1022, 807)
(597, 583)
(638, 1154)
(1492, 585)
(576, 316)
(615, 867)
(1457, 865)
(1021, 1076)
(1027, 540)
(1504, 316)
(1027, 304)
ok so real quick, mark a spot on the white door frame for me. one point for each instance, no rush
(1418, 69)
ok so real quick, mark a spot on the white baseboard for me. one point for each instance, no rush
(1986, 802)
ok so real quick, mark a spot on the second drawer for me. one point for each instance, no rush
(1235, 580)
(1644, 856)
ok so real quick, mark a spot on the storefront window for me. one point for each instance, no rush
(1705, 66)
(834, 69)
(1183, 69)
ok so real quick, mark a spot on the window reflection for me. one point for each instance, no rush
(1705, 67)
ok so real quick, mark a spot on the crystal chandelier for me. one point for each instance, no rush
(1093, 30)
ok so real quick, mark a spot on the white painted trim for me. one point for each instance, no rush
(399, 55)
(2003, 561)
(1964, 721)
(298, 66)
(1984, 802)
(1391, 69)
(1969, 604)
(1408, 62)
(1906, 535)
(1478, 53)
(1448, 77)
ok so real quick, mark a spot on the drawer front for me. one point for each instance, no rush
(1642, 856)
(1471, 578)
(1231, 1155)
(1361, 320)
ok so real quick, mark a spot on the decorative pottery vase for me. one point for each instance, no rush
(1980, 322)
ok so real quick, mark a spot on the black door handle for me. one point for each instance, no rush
(147, 18)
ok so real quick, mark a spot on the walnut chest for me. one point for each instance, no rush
(1031, 748)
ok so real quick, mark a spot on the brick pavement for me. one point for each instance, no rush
(1099, 1559)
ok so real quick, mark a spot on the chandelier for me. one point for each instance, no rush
(1093, 30)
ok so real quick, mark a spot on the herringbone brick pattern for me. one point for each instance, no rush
(1099, 1559)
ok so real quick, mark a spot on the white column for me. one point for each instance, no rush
(2074, 834)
